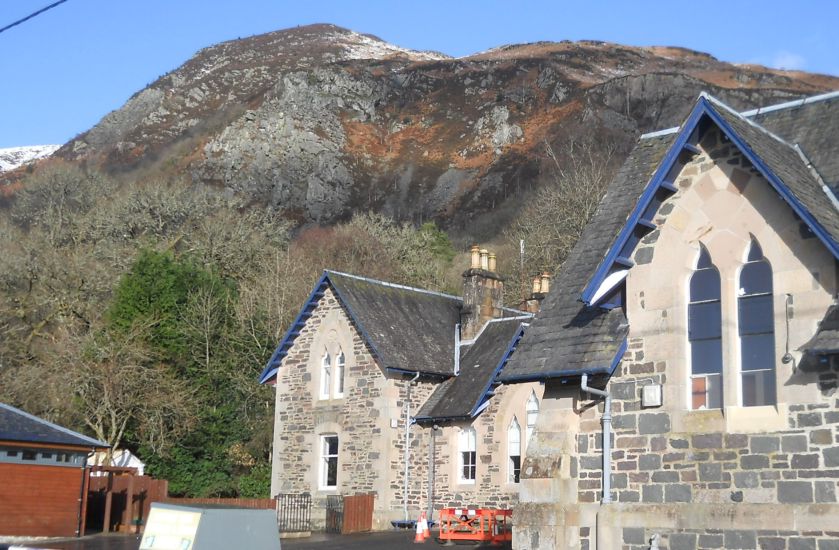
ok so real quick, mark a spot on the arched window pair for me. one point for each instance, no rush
(755, 325)
(326, 376)
(514, 443)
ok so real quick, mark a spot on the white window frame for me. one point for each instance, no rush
(325, 375)
(325, 458)
(467, 442)
(340, 372)
(514, 449)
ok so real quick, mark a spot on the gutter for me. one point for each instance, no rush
(607, 437)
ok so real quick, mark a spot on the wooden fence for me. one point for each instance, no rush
(119, 500)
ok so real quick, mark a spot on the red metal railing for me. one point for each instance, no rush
(476, 525)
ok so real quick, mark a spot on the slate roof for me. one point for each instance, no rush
(826, 339)
(813, 125)
(462, 396)
(567, 336)
(787, 164)
(409, 329)
(19, 426)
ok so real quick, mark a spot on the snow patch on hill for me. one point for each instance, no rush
(360, 46)
(15, 157)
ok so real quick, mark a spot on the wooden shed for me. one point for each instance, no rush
(42, 468)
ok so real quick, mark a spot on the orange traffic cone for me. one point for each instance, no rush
(426, 532)
(419, 538)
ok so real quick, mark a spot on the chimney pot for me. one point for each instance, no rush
(545, 283)
(492, 261)
(484, 259)
(476, 256)
(537, 285)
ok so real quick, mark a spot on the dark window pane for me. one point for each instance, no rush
(332, 471)
(755, 278)
(759, 388)
(757, 352)
(705, 285)
(46, 456)
(515, 468)
(704, 321)
(755, 252)
(756, 314)
(29, 455)
(11, 453)
(706, 356)
(332, 445)
(704, 261)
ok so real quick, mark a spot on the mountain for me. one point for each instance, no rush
(12, 158)
(320, 121)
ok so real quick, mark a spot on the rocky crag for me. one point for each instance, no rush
(320, 121)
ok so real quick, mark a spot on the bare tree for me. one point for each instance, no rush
(554, 217)
(116, 384)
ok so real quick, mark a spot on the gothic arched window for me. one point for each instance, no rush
(514, 451)
(325, 375)
(340, 368)
(756, 326)
(705, 334)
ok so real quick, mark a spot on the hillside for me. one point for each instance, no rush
(320, 121)
(12, 158)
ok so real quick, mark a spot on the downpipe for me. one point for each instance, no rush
(606, 448)
(407, 441)
(607, 438)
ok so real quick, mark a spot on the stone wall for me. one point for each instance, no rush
(638, 538)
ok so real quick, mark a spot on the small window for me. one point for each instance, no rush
(29, 455)
(467, 441)
(532, 415)
(329, 462)
(705, 334)
(46, 456)
(340, 368)
(514, 451)
(11, 453)
(756, 326)
(325, 376)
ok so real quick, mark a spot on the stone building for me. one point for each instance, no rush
(391, 390)
(701, 300)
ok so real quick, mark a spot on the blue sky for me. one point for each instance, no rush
(64, 70)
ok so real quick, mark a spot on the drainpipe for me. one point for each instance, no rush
(607, 438)
(407, 438)
(457, 349)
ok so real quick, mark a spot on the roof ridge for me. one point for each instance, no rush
(40, 420)
(792, 104)
(752, 112)
(721, 104)
(393, 285)
(472, 341)
(825, 188)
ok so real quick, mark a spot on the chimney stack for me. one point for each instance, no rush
(540, 289)
(483, 292)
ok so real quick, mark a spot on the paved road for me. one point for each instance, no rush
(98, 542)
(389, 540)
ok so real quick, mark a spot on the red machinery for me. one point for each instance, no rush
(475, 525)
